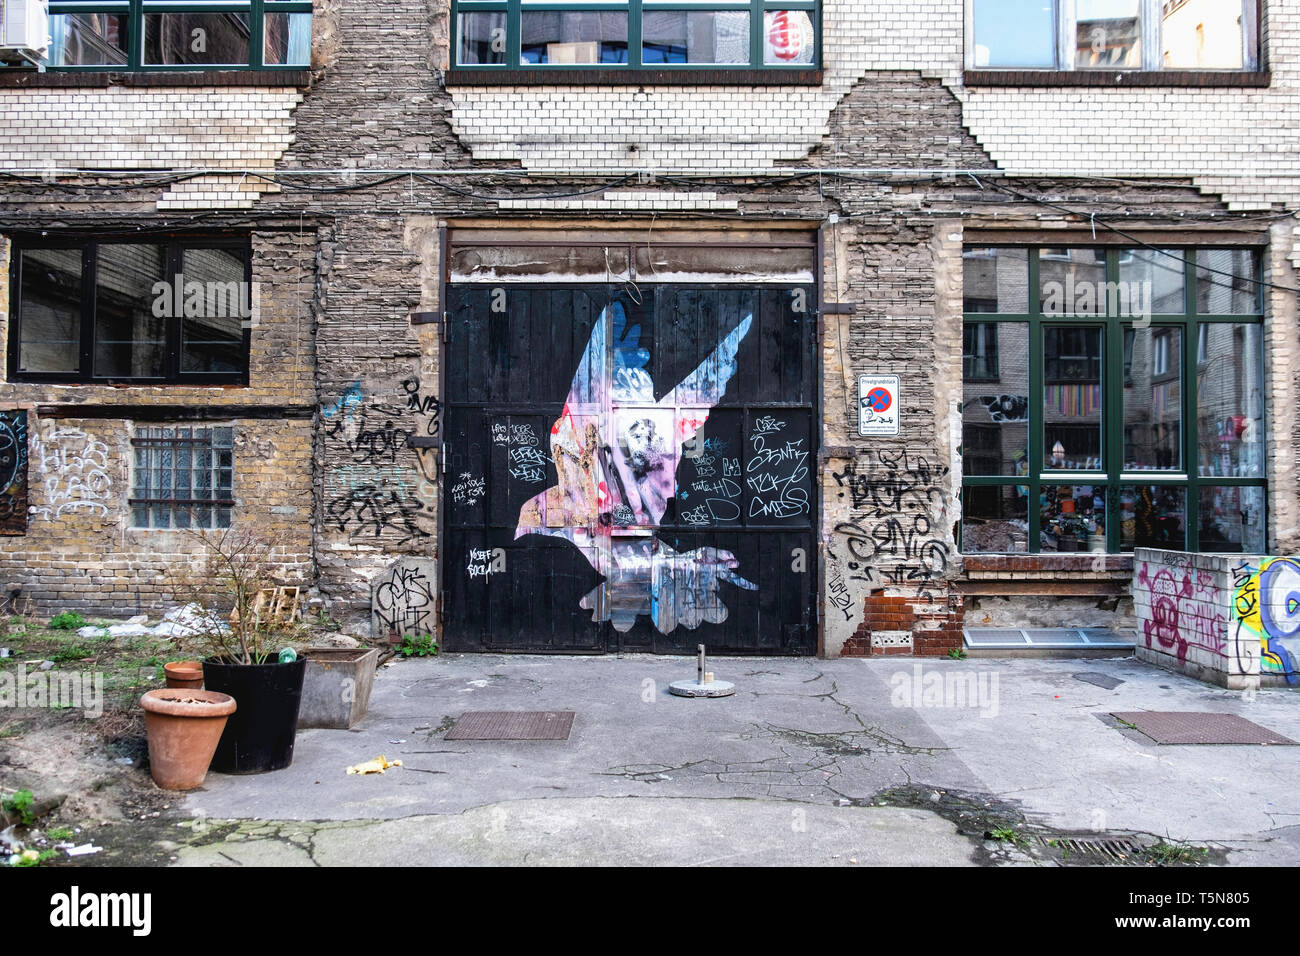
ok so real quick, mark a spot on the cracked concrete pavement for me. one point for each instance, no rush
(786, 771)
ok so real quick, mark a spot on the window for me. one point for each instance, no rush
(180, 34)
(635, 34)
(1125, 406)
(1113, 34)
(980, 352)
(182, 477)
(132, 312)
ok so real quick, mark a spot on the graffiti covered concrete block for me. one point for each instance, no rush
(1230, 619)
(403, 598)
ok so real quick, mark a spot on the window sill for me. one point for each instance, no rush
(641, 77)
(1116, 79)
(1028, 563)
(31, 79)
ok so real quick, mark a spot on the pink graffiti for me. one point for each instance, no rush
(1180, 617)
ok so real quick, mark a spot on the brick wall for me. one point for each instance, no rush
(122, 128)
(81, 551)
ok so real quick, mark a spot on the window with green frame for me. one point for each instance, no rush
(1126, 405)
(179, 35)
(636, 34)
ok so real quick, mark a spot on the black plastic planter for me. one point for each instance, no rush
(260, 733)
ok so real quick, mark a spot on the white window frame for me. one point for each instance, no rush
(1065, 16)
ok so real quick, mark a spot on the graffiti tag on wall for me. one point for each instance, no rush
(385, 487)
(898, 509)
(13, 472)
(74, 473)
(1188, 609)
(402, 598)
(1266, 607)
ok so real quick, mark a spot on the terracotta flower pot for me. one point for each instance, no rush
(184, 727)
(187, 674)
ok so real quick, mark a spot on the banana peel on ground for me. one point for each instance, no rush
(378, 765)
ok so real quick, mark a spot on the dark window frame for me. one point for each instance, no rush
(1252, 71)
(1112, 476)
(84, 375)
(518, 71)
(136, 10)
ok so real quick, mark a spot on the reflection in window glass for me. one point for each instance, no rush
(1072, 517)
(212, 338)
(1108, 34)
(1150, 281)
(50, 310)
(1153, 400)
(1230, 392)
(196, 38)
(1225, 282)
(1202, 35)
(88, 39)
(1072, 398)
(286, 39)
(130, 340)
(707, 36)
(482, 37)
(577, 37)
(995, 415)
(995, 520)
(1153, 516)
(979, 357)
(995, 280)
(1014, 33)
(788, 38)
(1072, 282)
(1231, 519)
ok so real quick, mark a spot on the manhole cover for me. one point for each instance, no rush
(1099, 680)
(512, 725)
(1198, 727)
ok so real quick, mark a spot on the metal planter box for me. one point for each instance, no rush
(336, 689)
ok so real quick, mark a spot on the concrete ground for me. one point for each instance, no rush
(824, 762)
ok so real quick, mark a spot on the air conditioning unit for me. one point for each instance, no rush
(24, 29)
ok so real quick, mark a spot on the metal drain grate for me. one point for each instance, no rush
(1199, 727)
(512, 725)
(1122, 852)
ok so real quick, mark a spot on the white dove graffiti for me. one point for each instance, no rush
(612, 490)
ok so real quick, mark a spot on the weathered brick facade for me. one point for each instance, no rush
(352, 184)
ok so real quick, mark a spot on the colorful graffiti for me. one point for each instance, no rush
(1266, 607)
(616, 450)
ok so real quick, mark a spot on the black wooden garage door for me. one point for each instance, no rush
(630, 469)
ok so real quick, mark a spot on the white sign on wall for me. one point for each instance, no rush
(878, 405)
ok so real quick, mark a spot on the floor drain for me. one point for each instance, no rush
(1124, 852)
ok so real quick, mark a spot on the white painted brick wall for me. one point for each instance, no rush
(237, 128)
(1239, 143)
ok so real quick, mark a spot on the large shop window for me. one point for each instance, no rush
(142, 312)
(180, 34)
(635, 34)
(1113, 399)
(182, 477)
(1113, 34)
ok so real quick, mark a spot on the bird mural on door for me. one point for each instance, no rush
(616, 450)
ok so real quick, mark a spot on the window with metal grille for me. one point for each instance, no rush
(183, 477)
